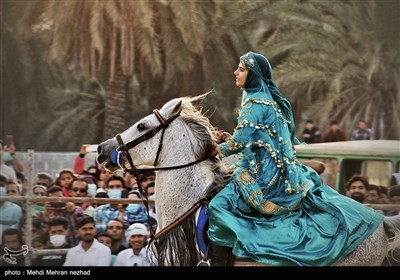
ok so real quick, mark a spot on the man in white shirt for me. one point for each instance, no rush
(89, 251)
(139, 254)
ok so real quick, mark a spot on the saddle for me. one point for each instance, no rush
(220, 256)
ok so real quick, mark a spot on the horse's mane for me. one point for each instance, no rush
(199, 124)
(178, 247)
(392, 227)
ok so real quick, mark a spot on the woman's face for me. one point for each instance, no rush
(241, 74)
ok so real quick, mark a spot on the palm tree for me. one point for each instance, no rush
(168, 47)
(332, 66)
(35, 95)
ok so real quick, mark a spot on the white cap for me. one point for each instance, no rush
(100, 190)
(40, 187)
(136, 229)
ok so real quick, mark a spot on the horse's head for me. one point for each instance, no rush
(143, 135)
(145, 141)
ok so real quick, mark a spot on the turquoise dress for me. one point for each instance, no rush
(276, 210)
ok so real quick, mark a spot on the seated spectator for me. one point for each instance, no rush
(335, 133)
(311, 133)
(363, 132)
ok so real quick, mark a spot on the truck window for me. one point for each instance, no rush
(329, 175)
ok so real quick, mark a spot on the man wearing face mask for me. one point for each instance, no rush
(134, 212)
(9, 156)
(10, 213)
(115, 187)
(58, 229)
(5, 170)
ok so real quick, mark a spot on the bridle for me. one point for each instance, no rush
(124, 148)
(133, 170)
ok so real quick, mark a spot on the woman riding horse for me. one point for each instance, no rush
(276, 210)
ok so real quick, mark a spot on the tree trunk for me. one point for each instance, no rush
(116, 104)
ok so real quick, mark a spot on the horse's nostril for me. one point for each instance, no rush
(100, 149)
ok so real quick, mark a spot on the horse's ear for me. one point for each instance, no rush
(197, 100)
(176, 109)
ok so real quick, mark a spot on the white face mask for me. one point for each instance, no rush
(7, 156)
(114, 193)
(3, 191)
(57, 240)
(92, 190)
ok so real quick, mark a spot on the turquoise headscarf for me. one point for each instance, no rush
(259, 79)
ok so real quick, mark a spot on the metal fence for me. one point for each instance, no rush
(53, 162)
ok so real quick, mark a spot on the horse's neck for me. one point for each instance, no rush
(178, 190)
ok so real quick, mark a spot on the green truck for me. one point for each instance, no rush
(378, 159)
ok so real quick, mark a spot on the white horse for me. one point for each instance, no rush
(176, 141)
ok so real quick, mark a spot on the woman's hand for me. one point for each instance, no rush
(215, 151)
(222, 136)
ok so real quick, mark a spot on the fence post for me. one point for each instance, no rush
(28, 221)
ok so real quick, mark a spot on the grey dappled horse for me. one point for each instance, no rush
(176, 141)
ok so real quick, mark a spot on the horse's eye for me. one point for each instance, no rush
(141, 127)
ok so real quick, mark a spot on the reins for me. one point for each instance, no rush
(133, 170)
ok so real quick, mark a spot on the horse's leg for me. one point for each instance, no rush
(231, 259)
(220, 256)
(371, 252)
